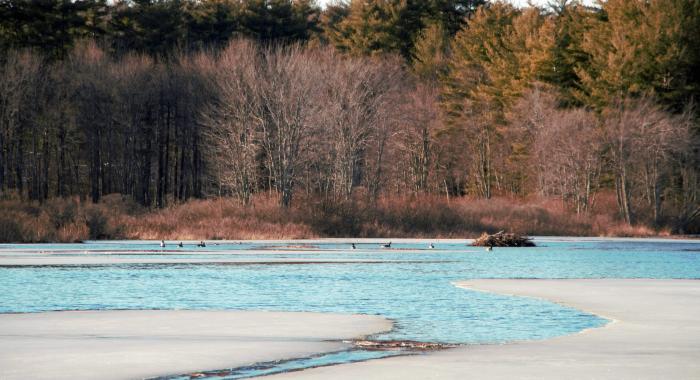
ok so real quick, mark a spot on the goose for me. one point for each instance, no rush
(162, 243)
(432, 246)
(387, 245)
(489, 248)
(180, 245)
(353, 246)
(201, 244)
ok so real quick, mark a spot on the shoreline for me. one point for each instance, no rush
(128, 344)
(330, 240)
(82, 254)
(609, 321)
(653, 334)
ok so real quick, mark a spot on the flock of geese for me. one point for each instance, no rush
(202, 244)
(388, 245)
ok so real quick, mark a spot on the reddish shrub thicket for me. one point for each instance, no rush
(67, 220)
(63, 219)
(217, 219)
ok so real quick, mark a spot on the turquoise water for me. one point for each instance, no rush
(274, 367)
(414, 289)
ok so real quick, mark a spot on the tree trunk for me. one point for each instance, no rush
(623, 196)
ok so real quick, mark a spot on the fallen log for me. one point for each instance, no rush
(503, 239)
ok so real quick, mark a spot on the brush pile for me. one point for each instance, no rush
(403, 345)
(502, 239)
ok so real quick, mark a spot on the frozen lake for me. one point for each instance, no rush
(408, 283)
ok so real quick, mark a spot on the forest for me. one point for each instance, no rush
(284, 119)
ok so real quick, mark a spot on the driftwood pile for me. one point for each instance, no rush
(502, 239)
(402, 345)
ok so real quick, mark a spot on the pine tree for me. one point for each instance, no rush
(451, 14)
(366, 29)
(148, 26)
(642, 47)
(212, 23)
(393, 26)
(51, 26)
(430, 53)
(570, 21)
(330, 22)
(279, 20)
(492, 62)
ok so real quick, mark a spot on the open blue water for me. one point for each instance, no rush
(415, 289)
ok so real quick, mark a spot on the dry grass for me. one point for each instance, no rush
(68, 220)
(218, 219)
(62, 220)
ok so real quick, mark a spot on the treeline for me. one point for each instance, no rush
(572, 100)
(155, 27)
(158, 27)
(93, 125)
(170, 100)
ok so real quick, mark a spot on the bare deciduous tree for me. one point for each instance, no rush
(569, 150)
(233, 144)
(269, 103)
(17, 75)
(290, 94)
(420, 119)
(566, 147)
(642, 136)
(23, 136)
(354, 113)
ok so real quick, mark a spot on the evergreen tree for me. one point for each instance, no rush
(482, 62)
(49, 26)
(492, 62)
(150, 26)
(451, 14)
(430, 56)
(365, 30)
(286, 20)
(642, 47)
(212, 23)
(570, 21)
(330, 21)
(392, 26)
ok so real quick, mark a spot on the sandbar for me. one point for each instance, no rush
(653, 333)
(134, 344)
